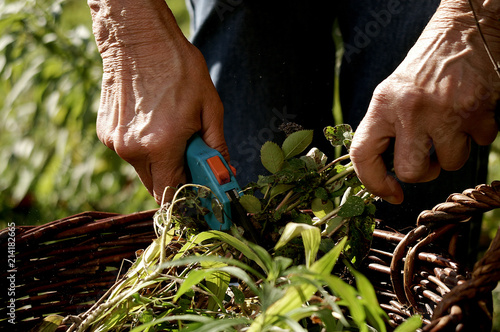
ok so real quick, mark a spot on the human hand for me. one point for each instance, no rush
(156, 91)
(442, 94)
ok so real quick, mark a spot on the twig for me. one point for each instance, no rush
(339, 159)
(342, 174)
(284, 201)
(488, 51)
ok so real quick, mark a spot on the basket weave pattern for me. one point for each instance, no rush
(424, 278)
(64, 266)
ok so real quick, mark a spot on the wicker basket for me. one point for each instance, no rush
(66, 265)
(416, 273)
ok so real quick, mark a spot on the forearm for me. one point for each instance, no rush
(148, 25)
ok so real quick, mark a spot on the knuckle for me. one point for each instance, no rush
(105, 138)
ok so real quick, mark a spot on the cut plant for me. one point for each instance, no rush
(192, 279)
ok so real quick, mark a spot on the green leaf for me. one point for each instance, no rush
(264, 181)
(303, 218)
(296, 143)
(348, 294)
(146, 316)
(263, 255)
(325, 264)
(279, 189)
(239, 245)
(239, 297)
(217, 283)
(297, 295)
(327, 319)
(321, 193)
(251, 203)
(410, 325)
(291, 231)
(193, 278)
(333, 224)
(49, 323)
(270, 294)
(319, 209)
(339, 135)
(353, 206)
(312, 239)
(367, 292)
(272, 157)
(360, 233)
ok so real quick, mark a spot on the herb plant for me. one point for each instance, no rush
(314, 212)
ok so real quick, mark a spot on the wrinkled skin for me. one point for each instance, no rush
(156, 91)
(442, 95)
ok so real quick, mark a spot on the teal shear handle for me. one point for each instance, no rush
(208, 168)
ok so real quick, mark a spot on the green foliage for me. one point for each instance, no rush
(251, 203)
(279, 298)
(332, 192)
(199, 285)
(272, 157)
(339, 135)
(352, 207)
(53, 164)
(412, 324)
(296, 143)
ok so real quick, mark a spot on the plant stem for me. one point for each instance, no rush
(342, 174)
(293, 206)
(284, 201)
(327, 216)
(335, 230)
(339, 159)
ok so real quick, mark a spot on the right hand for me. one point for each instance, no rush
(440, 97)
(156, 91)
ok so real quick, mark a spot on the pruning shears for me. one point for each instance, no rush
(208, 168)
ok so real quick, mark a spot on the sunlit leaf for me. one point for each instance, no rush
(49, 323)
(319, 209)
(353, 206)
(295, 296)
(412, 324)
(367, 292)
(217, 283)
(231, 240)
(272, 157)
(296, 143)
(339, 135)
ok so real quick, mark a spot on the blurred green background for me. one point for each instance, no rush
(51, 163)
